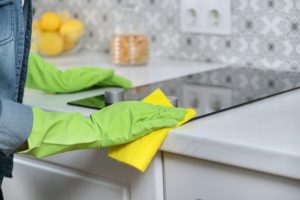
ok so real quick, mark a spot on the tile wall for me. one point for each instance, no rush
(266, 33)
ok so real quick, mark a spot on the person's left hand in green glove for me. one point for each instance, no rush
(46, 77)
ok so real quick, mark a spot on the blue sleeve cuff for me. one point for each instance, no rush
(15, 125)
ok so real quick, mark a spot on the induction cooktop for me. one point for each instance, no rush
(212, 91)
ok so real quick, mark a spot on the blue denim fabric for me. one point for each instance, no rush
(15, 118)
(15, 123)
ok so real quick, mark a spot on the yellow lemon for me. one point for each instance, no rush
(71, 29)
(69, 44)
(50, 44)
(50, 21)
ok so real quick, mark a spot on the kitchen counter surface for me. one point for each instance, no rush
(262, 136)
(155, 71)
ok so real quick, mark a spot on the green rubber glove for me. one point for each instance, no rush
(117, 124)
(46, 77)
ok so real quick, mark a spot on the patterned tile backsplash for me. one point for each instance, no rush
(265, 33)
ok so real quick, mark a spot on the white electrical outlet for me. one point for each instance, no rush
(206, 16)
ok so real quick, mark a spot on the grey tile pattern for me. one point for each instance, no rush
(266, 33)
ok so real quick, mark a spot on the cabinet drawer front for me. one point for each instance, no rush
(193, 179)
(36, 180)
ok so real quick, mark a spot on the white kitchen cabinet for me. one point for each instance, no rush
(84, 174)
(194, 179)
(38, 180)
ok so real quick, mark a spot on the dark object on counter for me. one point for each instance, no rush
(114, 95)
(111, 96)
(96, 102)
(1, 194)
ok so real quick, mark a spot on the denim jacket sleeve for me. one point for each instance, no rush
(15, 125)
(15, 119)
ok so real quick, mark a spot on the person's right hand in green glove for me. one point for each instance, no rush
(46, 77)
(117, 124)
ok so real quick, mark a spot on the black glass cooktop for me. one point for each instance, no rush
(214, 91)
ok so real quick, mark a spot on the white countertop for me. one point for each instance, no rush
(154, 71)
(263, 136)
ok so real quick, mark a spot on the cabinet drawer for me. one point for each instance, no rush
(38, 180)
(193, 179)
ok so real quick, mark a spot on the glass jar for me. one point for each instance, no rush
(129, 44)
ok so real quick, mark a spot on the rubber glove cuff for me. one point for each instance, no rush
(55, 132)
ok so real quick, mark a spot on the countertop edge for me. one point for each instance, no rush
(247, 157)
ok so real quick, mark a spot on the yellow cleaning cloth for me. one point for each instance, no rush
(140, 152)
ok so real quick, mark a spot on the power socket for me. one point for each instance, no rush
(206, 16)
